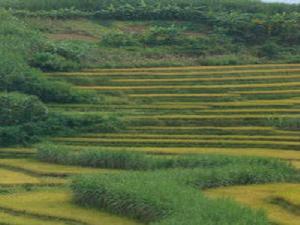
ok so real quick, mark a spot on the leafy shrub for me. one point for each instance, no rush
(119, 39)
(53, 62)
(162, 35)
(60, 56)
(270, 50)
(285, 123)
(55, 124)
(18, 109)
(18, 44)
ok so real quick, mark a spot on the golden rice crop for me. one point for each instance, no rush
(160, 73)
(9, 177)
(147, 136)
(8, 218)
(192, 68)
(185, 95)
(266, 77)
(47, 168)
(58, 205)
(188, 117)
(222, 86)
(18, 150)
(250, 128)
(292, 91)
(188, 141)
(259, 196)
(257, 102)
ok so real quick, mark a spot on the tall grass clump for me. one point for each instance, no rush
(170, 197)
(101, 158)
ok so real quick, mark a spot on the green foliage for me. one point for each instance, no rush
(119, 39)
(170, 196)
(18, 109)
(155, 36)
(55, 124)
(19, 45)
(144, 6)
(53, 62)
(285, 123)
(101, 158)
(270, 50)
(60, 56)
(162, 35)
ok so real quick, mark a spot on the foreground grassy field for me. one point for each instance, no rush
(234, 111)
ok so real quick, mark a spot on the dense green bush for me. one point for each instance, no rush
(54, 125)
(53, 62)
(18, 109)
(60, 56)
(119, 39)
(284, 123)
(142, 6)
(162, 35)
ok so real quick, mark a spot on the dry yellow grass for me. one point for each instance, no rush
(258, 196)
(58, 203)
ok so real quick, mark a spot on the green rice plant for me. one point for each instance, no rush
(132, 160)
(150, 196)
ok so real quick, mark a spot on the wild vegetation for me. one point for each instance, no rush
(219, 32)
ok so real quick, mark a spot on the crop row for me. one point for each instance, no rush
(186, 68)
(181, 73)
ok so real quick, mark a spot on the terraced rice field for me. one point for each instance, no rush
(218, 110)
(281, 201)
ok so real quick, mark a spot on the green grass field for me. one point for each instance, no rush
(167, 112)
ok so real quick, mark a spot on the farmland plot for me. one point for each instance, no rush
(197, 121)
